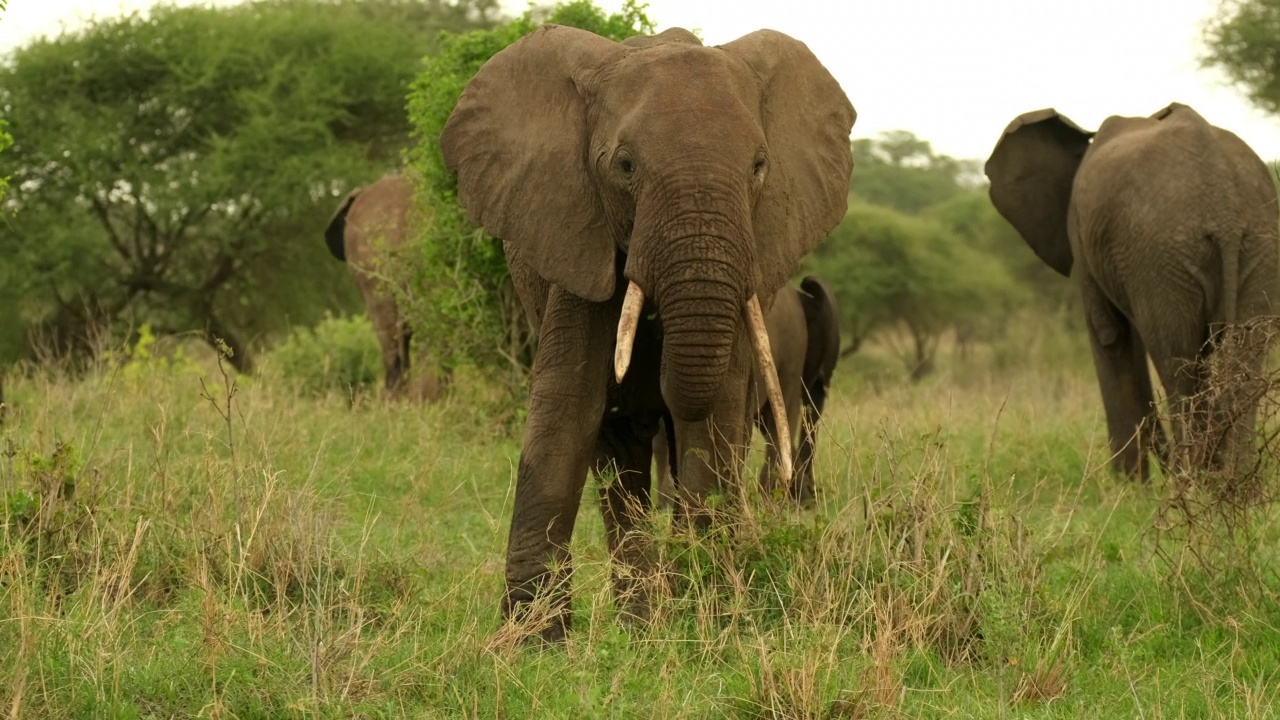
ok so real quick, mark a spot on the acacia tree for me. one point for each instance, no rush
(1243, 40)
(898, 170)
(462, 301)
(892, 271)
(178, 168)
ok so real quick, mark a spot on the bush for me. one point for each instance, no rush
(893, 271)
(338, 354)
(460, 275)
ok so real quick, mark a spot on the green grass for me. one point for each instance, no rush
(298, 557)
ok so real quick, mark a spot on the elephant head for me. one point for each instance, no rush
(693, 177)
(710, 170)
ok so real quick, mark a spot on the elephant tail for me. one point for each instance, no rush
(336, 232)
(824, 324)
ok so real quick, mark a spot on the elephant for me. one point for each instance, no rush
(1169, 226)
(369, 226)
(804, 334)
(651, 196)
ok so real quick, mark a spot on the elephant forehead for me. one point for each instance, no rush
(675, 79)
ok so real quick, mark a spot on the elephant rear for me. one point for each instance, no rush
(823, 320)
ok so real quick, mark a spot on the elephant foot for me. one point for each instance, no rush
(538, 618)
(641, 596)
(804, 495)
(800, 491)
(635, 611)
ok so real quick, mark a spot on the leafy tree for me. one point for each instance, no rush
(898, 170)
(1243, 40)
(462, 297)
(894, 271)
(5, 138)
(977, 223)
(5, 141)
(177, 168)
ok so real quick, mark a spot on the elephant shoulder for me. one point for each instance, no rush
(675, 35)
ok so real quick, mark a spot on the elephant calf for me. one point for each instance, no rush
(1169, 226)
(804, 334)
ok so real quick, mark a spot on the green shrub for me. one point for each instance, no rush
(460, 274)
(338, 354)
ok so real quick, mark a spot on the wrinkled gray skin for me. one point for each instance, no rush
(369, 226)
(1169, 225)
(804, 334)
(701, 174)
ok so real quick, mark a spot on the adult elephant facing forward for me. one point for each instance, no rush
(649, 196)
(1169, 225)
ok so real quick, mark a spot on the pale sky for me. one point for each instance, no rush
(954, 72)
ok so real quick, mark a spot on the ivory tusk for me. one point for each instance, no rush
(769, 374)
(631, 306)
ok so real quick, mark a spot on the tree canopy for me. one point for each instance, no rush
(462, 299)
(896, 169)
(177, 168)
(890, 270)
(1243, 40)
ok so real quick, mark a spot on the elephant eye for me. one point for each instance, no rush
(761, 164)
(626, 165)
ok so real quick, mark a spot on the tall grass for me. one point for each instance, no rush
(177, 542)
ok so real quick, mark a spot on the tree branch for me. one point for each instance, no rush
(101, 210)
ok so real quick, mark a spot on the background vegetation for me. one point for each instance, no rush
(465, 307)
(177, 543)
(178, 168)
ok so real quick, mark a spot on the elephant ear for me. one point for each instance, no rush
(517, 141)
(1031, 170)
(335, 232)
(807, 119)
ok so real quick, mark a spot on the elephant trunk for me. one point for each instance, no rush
(702, 300)
(699, 323)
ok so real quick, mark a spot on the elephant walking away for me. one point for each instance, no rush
(804, 334)
(1169, 226)
(652, 197)
(369, 227)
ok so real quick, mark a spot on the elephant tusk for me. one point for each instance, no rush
(769, 373)
(627, 323)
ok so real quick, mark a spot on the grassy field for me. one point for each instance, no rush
(168, 550)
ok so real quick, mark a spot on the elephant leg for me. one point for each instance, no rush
(398, 372)
(1120, 359)
(816, 398)
(623, 459)
(566, 404)
(1239, 409)
(664, 443)
(1197, 431)
(711, 452)
(388, 327)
